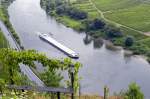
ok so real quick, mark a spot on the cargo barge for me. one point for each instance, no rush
(61, 47)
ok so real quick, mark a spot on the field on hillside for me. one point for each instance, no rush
(86, 6)
(137, 17)
(109, 5)
(132, 13)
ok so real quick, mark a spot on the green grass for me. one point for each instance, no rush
(2, 16)
(131, 13)
(69, 22)
(108, 5)
(86, 6)
(5, 19)
(136, 35)
(137, 17)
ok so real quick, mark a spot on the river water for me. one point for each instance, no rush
(100, 66)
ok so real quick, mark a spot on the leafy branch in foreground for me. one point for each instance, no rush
(10, 60)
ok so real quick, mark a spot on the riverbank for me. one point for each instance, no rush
(3, 41)
(4, 17)
(118, 35)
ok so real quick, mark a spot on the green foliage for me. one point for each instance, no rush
(134, 92)
(95, 24)
(11, 59)
(3, 41)
(113, 32)
(2, 83)
(129, 41)
(135, 17)
(70, 22)
(141, 47)
(5, 18)
(111, 5)
(77, 14)
(51, 78)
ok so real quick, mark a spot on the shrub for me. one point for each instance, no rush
(129, 41)
(58, 3)
(61, 10)
(77, 14)
(113, 32)
(97, 24)
(51, 78)
(134, 92)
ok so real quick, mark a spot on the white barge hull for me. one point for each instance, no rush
(55, 43)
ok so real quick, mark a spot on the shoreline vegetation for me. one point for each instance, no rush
(3, 41)
(4, 17)
(83, 17)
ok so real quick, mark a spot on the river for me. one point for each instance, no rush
(100, 66)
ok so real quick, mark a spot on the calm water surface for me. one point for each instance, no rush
(100, 66)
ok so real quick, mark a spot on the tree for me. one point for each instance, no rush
(51, 78)
(134, 92)
(10, 60)
(2, 82)
(113, 32)
(58, 3)
(97, 24)
(129, 41)
(76, 13)
(61, 10)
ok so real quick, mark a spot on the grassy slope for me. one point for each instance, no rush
(69, 22)
(132, 13)
(108, 5)
(137, 17)
(3, 42)
(2, 16)
(86, 6)
(5, 18)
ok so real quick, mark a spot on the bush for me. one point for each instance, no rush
(113, 32)
(97, 24)
(129, 41)
(77, 14)
(134, 92)
(58, 3)
(51, 79)
(61, 10)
